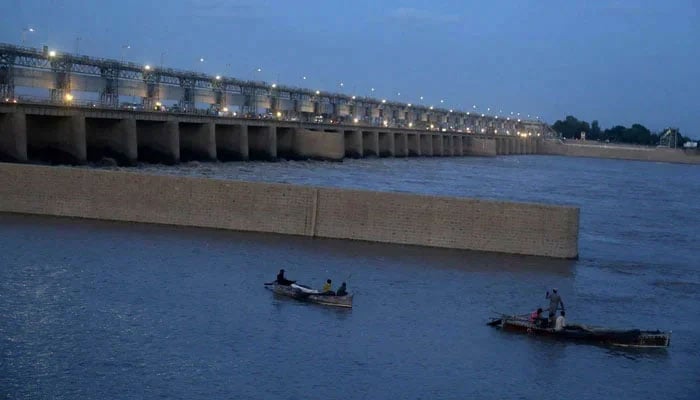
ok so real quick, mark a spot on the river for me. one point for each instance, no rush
(92, 309)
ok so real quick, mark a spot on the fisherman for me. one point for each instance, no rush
(561, 322)
(281, 280)
(327, 288)
(536, 317)
(554, 302)
(342, 290)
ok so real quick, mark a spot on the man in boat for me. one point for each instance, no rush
(281, 280)
(536, 318)
(554, 302)
(342, 290)
(328, 288)
(561, 322)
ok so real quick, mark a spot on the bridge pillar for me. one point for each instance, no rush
(414, 144)
(447, 145)
(499, 145)
(113, 138)
(197, 141)
(13, 137)
(479, 146)
(437, 145)
(319, 145)
(232, 142)
(512, 142)
(386, 144)
(158, 142)
(59, 140)
(285, 143)
(262, 142)
(400, 145)
(370, 143)
(459, 145)
(426, 145)
(353, 144)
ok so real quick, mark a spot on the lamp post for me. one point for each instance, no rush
(125, 47)
(24, 33)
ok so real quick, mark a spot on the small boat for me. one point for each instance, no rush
(585, 333)
(305, 293)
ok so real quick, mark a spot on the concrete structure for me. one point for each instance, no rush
(457, 223)
(73, 135)
(621, 152)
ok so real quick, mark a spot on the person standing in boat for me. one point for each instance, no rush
(281, 280)
(328, 288)
(342, 290)
(561, 322)
(554, 302)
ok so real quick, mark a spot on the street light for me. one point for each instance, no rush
(24, 34)
(52, 53)
(218, 77)
(69, 97)
(147, 67)
(125, 47)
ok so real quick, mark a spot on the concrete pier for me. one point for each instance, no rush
(158, 142)
(353, 144)
(426, 145)
(414, 144)
(112, 138)
(437, 145)
(386, 144)
(232, 142)
(370, 143)
(13, 137)
(476, 146)
(285, 143)
(56, 139)
(458, 145)
(400, 145)
(319, 145)
(197, 141)
(262, 142)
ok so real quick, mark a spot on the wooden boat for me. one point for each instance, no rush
(305, 293)
(585, 333)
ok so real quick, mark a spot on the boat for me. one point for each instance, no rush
(585, 333)
(305, 293)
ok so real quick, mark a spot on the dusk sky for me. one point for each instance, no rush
(620, 61)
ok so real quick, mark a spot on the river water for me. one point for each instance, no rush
(102, 310)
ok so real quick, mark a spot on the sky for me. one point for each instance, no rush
(617, 61)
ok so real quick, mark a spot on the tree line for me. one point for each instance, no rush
(571, 128)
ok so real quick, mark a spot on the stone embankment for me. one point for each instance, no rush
(457, 223)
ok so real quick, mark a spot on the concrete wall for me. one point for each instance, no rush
(414, 143)
(158, 141)
(555, 147)
(400, 145)
(319, 145)
(474, 146)
(232, 142)
(56, 139)
(370, 143)
(331, 213)
(197, 141)
(353, 144)
(262, 142)
(386, 144)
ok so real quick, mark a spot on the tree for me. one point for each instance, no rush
(571, 127)
(595, 133)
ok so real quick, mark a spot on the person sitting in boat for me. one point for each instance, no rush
(342, 290)
(561, 322)
(327, 288)
(281, 280)
(536, 317)
(554, 302)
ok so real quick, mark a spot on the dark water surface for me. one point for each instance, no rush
(99, 310)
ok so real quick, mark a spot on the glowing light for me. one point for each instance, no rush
(225, 109)
(409, 104)
(355, 120)
(383, 101)
(386, 123)
(410, 124)
(431, 107)
(274, 85)
(158, 104)
(69, 97)
(483, 130)
(218, 77)
(421, 97)
(450, 110)
(147, 67)
(432, 126)
(52, 53)
(318, 92)
(201, 60)
(279, 114)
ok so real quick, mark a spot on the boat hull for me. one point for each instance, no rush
(311, 297)
(589, 334)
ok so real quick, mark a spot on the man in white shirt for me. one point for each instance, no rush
(561, 322)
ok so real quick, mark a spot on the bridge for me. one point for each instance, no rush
(180, 115)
